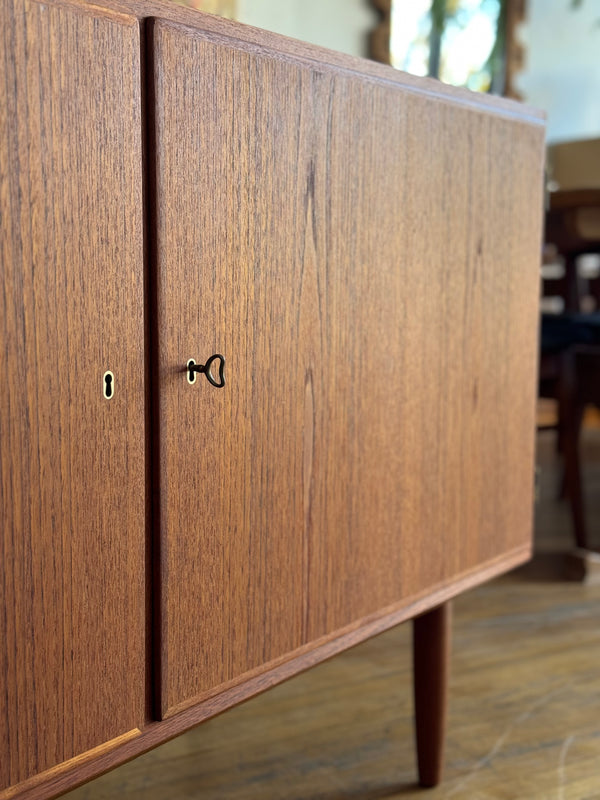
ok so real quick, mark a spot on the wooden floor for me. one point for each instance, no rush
(524, 710)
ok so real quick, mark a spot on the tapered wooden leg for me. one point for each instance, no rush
(431, 664)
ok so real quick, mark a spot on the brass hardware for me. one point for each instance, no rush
(108, 385)
(191, 375)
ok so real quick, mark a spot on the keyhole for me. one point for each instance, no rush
(191, 375)
(108, 385)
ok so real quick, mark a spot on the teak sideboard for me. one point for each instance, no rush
(362, 249)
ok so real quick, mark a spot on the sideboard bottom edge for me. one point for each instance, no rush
(77, 771)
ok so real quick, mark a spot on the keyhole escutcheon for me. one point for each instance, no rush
(108, 385)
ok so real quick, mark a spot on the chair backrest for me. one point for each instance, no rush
(572, 277)
(574, 165)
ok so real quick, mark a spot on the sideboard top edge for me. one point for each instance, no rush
(219, 28)
(315, 56)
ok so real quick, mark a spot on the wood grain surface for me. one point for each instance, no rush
(72, 504)
(359, 273)
(366, 259)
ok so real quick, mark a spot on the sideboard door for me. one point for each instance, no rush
(72, 507)
(364, 254)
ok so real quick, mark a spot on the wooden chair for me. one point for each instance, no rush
(570, 342)
(571, 375)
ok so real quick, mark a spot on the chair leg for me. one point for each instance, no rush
(431, 663)
(571, 413)
(574, 489)
(571, 428)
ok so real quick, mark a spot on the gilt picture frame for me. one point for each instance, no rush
(512, 56)
(223, 8)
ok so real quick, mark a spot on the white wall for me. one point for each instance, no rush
(562, 71)
(338, 24)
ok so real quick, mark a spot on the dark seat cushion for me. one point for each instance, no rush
(559, 331)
